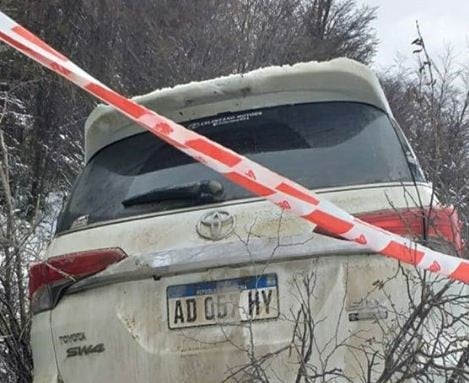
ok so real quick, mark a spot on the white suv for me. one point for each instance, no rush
(163, 270)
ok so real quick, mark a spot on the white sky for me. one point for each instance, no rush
(442, 22)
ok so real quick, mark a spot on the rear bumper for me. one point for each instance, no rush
(45, 367)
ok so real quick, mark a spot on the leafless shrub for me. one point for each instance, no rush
(24, 233)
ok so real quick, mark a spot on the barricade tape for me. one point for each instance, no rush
(259, 180)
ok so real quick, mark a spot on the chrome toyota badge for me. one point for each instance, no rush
(216, 225)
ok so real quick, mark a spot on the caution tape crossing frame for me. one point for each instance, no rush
(259, 180)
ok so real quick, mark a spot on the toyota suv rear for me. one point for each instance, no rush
(163, 270)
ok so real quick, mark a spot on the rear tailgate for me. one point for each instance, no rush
(152, 315)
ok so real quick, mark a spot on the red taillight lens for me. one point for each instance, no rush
(439, 222)
(68, 268)
(445, 223)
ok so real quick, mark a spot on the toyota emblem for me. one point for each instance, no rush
(216, 225)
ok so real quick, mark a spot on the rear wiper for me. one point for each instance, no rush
(201, 192)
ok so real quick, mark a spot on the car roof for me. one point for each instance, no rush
(336, 80)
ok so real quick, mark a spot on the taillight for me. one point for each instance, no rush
(438, 223)
(48, 279)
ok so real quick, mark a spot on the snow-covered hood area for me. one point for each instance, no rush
(336, 80)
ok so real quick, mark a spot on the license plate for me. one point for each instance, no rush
(222, 302)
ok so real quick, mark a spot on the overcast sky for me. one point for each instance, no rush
(441, 22)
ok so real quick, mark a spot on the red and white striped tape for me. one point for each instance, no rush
(259, 180)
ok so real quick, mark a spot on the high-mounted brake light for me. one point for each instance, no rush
(441, 223)
(48, 279)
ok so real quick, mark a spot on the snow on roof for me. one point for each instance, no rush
(336, 80)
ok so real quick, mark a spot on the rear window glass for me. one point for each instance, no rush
(318, 145)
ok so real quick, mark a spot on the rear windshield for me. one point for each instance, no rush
(317, 145)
